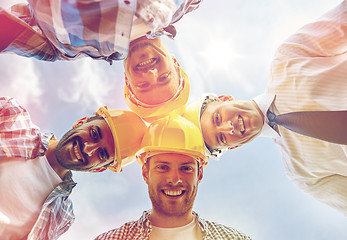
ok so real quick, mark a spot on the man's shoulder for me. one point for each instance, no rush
(8, 101)
(221, 231)
(13, 113)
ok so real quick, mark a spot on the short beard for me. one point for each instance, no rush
(60, 150)
(158, 206)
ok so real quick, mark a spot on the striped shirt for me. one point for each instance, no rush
(20, 138)
(61, 29)
(141, 229)
(309, 72)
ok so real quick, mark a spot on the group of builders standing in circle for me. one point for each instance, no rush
(172, 140)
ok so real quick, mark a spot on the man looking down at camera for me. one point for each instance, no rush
(173, 158)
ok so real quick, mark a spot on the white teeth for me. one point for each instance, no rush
(146, 62)
(75, 148)
(173, 192)
(241, 125)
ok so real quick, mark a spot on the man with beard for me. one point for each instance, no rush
(172, 158)
(35, 176)
(107, 30)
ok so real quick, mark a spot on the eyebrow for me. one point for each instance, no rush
(168, 163)
(214, 125)
(107, 155)
(100, 136)
(99, 131)
(189, 163)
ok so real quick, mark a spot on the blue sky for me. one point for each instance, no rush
(226, 47)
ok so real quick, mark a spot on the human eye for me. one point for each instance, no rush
(165, 78)
(222, 139)
(162, 167)
(103, 155)
(142, 86)
(217, 119)
(187, 169)
(93, 134)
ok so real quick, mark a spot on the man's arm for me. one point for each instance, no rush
(159, 14)
(20, 35)
(9, 29)
(330, 190)
(327, 36)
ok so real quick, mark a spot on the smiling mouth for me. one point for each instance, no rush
(173, 193)
(77, 151)
(241, 125)
(146, 65)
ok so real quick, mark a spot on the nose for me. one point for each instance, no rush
(151, 75)
(90, 148)
(226, 127)
(174, 177)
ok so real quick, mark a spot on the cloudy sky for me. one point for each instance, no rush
(226, 47)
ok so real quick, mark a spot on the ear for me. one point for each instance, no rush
(127, 82)
(98, 170)
(175, 61)
(201, 173)
(225, 98)
(126, 79)
(79, 122)
(145, 173)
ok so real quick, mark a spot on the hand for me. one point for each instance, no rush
(157, 14)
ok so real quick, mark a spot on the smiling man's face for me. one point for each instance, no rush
(151, 72)
(87, 147)
(173, 181)
(230, 123)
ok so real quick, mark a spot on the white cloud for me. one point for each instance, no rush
(19, 79)
(91, 85)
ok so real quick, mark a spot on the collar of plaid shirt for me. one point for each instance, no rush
(141, 229)
(56, 204)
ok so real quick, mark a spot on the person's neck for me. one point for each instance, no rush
(164, 221)
(50, 155)
(259, 110)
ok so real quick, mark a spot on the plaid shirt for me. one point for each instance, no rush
(20, 138)
(61, 29)
(141, 229)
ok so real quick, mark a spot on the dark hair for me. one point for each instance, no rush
(208, 99)
(96, 117)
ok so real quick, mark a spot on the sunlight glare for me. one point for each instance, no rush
(219, 55)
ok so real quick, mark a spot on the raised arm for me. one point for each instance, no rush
(325, 37)
(19, 34)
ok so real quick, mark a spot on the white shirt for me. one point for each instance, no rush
(264, 102)
(309, 72)
(191, 231)
(24, 187)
